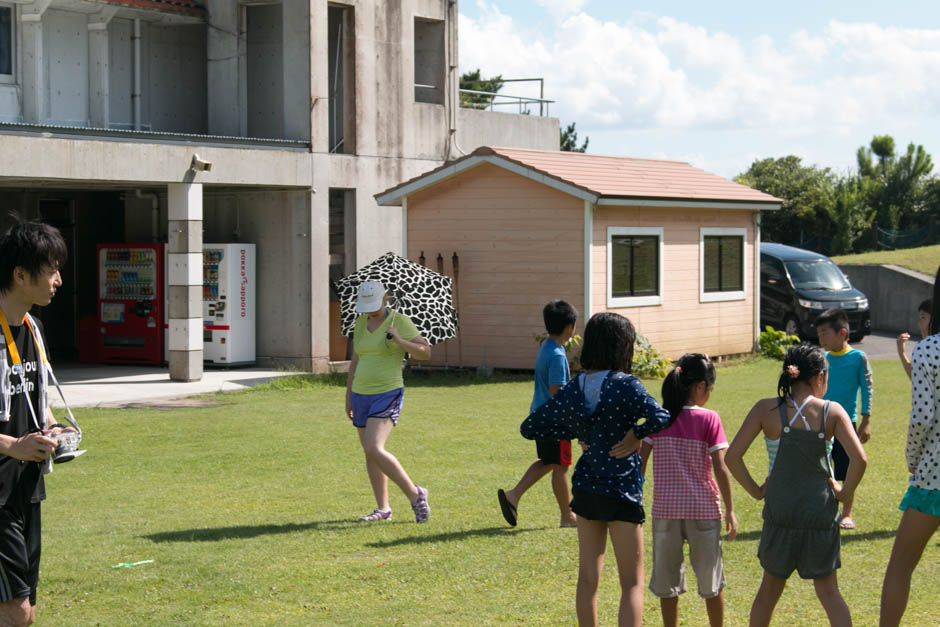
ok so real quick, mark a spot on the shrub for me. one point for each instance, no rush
(647, 361)
(774, 343)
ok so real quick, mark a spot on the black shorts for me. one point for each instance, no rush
(20, 546)
(599, 507)
(840, 459)
(554, 451)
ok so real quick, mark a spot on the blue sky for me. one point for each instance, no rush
(720, 84)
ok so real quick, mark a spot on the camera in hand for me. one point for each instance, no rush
(67, 443)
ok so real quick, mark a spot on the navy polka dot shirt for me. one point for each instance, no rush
(624, 404)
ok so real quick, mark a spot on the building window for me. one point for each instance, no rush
(634, 266)
(341, 77)
(6, 43)
(723, 264)
(429, 61)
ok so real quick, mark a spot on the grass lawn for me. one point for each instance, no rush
(923, 259)
(245, 510)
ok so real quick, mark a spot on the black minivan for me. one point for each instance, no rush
(797, 285)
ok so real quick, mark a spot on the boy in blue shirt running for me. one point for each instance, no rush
(551, 374)
(849, 374)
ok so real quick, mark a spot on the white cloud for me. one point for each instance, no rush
(678, 74)
(667, 74)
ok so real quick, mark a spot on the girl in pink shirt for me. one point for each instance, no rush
(686, 505)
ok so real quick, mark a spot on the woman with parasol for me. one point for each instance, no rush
(375, 393)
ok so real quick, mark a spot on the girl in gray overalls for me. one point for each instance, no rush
(801, 510)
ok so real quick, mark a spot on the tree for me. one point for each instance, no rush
(850, 213)
(807, 194)
(897, 185)
(568, 139)
(473, 81)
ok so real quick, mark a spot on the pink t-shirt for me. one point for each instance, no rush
(683, 484)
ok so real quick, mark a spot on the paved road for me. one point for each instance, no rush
(881, 345)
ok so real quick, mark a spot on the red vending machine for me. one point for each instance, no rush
(130, 303)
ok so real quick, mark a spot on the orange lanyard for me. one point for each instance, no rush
(18, 363)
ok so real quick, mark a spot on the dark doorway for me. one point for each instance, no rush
(60, 317)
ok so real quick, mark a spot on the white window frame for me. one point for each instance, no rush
(713, 297)
(6, 79)
(633, 301)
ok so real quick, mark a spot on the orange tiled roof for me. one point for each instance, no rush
(184, 7)
(614, 177)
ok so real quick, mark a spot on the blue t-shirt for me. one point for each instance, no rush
(849, 374)
(551, 368)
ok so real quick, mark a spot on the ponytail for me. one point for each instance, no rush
(801, 363)
(691, 369)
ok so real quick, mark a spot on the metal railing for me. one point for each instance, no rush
(521, 102)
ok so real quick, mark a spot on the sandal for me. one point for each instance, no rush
(509, 510)
(847, 523)
(377, 514)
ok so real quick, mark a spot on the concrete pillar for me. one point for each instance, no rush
(226, 42)
(319, 78)
(296, 67)
(319, 280)
(99, 73)
(33, 62)
(184, 278)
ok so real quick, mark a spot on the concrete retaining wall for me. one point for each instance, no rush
(893, 295)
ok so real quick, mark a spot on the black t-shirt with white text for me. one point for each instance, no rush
(21, 482)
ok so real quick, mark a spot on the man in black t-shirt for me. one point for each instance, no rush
(30, 257)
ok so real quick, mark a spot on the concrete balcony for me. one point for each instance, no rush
(477, 127)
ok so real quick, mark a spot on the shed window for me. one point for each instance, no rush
(634, 266)
(6, 43)
(722, 266)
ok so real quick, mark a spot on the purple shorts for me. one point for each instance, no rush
(384, 405)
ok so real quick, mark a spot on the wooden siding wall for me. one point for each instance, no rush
(681, 324)
(520, 244)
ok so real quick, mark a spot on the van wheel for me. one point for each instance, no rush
(791, 326)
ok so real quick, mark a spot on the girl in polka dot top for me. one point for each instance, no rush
(921, 503)
(610, 412)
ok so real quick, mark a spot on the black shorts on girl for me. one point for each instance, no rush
(603, 508)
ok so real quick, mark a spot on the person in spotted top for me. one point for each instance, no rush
(610, 412)
(921, 503)
(686, 505)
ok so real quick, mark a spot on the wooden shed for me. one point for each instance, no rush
(669, 246)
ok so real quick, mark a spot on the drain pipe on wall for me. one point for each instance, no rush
(135, 95)
(453, 86)
(756, 278)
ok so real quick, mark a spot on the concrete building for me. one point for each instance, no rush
(304, 108)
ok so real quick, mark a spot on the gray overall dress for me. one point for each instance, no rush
(801, 514)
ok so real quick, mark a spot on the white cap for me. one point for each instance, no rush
(369, 297)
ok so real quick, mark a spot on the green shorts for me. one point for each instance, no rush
(924, 501)
(813, 553)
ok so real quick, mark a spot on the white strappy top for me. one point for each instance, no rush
(774, 445)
